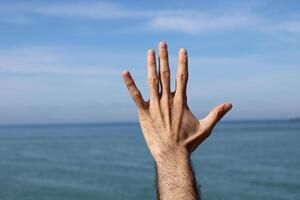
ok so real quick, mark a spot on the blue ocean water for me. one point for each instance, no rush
(241, 160)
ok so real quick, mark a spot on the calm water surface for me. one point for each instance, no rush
(241, 160)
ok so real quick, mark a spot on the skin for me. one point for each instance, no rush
(170, 129)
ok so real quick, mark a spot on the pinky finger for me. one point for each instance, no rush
(133, 90)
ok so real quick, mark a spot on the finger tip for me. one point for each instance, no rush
(183, 51)
(162, 44)
(125, 72)
(228, 106)
(150, 51)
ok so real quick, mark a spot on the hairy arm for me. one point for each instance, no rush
(175, 178)
(170, 129)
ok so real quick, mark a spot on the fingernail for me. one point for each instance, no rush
(183, 51)
(125, 72)
(228, 106)
(163, 44)
(150, 51)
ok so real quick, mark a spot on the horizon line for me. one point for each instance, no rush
(136, 122)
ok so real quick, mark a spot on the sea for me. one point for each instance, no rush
(241, 160)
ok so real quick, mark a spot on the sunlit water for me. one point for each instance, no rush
(241, 160)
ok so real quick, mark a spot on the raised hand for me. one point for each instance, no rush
(167, 123)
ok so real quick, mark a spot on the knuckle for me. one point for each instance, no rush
(153, 81)
(137, 96)
(130, 84)
(165, 74)
(217, 114)
(151, 62)
(163, 54)
(182, 77)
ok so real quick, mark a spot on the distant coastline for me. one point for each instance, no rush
(295, 119)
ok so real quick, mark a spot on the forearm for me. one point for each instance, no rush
(169, 127)
(175, 178)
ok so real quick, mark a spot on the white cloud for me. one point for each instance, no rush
(67, 61)
(60, 60)
(98, 10)
(200, 22)
(184, 21)
(45, 60)
(91, 62)
(189, 21)
(95, 10)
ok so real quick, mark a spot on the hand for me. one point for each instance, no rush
(168, 125)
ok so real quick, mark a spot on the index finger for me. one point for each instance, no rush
(133, 90)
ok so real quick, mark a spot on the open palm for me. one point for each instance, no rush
(167, 123)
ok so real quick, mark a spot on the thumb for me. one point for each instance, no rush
(216, 114)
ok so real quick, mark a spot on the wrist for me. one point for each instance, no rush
(173, 157)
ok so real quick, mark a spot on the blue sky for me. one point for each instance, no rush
(61, 61)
